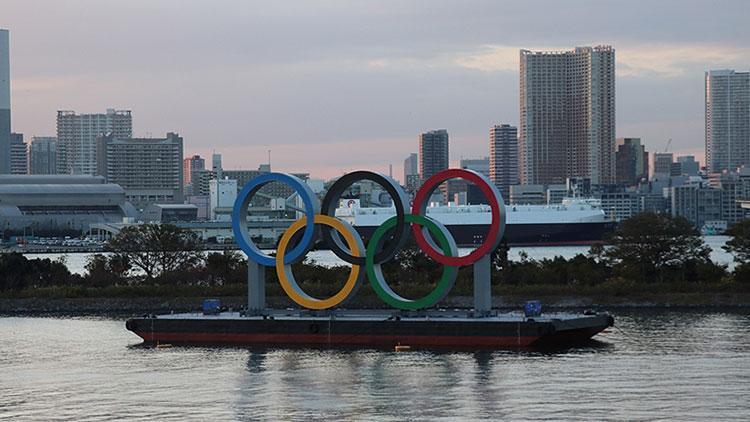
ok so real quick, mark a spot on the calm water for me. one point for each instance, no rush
(76, 261)
(680, 366)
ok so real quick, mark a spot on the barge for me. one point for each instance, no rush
(373, 329)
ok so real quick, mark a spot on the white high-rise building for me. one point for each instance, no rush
(567, 115)
(727, 120)
(77, 133)
(504, 158)
(4, 102)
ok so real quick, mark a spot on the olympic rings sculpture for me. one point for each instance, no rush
(344, 241)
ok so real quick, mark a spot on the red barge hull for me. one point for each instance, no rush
(371, 330)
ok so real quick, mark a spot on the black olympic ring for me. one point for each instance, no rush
(400, 201)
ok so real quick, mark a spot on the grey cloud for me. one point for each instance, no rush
(240, 75)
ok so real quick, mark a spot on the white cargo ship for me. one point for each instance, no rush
(574, 221)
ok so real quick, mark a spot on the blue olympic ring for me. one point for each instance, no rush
(239, 218)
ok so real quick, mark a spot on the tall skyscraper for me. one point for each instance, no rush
(567, 115)
(504, 158)
(727, 120)
(149, 169)
(4, 102)
(43, 155)
(631, 161)
(433, 153)
(19, 154)
(191, 165)
(77, 133)
(411, 172)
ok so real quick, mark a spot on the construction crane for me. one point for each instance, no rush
(669, 143)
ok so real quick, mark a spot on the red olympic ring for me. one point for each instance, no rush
(497, 226)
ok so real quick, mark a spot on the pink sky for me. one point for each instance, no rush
(342, 85)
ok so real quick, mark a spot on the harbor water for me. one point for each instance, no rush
(652, 365)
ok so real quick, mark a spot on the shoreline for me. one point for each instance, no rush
(124, 307)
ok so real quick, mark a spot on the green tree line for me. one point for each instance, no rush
(645, 249)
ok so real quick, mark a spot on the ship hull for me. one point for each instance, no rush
(470, 235)
(418, 332)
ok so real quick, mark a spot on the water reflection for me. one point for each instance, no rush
(353, 383)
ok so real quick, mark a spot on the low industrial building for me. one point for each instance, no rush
(48, 205)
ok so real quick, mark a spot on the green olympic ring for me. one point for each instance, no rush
(375, 272)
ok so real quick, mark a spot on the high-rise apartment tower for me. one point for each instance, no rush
(19, 154)
(727, 120)
(504, 158)
(77, 133)
(567, 115)
(149, 169)
(433, 153)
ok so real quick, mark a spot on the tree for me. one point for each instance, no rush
(18, 273)
(157, 249)
(649, 247)
(739, 246)
(225, 266)
(96, 270)
(14, 268)
(119, 266)
(106, 271)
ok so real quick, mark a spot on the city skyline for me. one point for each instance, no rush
(294, 70)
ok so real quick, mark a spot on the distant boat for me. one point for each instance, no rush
(575, 221)
(714, 228)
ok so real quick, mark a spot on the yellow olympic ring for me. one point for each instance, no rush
(284, 271)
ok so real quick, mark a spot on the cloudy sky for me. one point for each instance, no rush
(332, 86)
